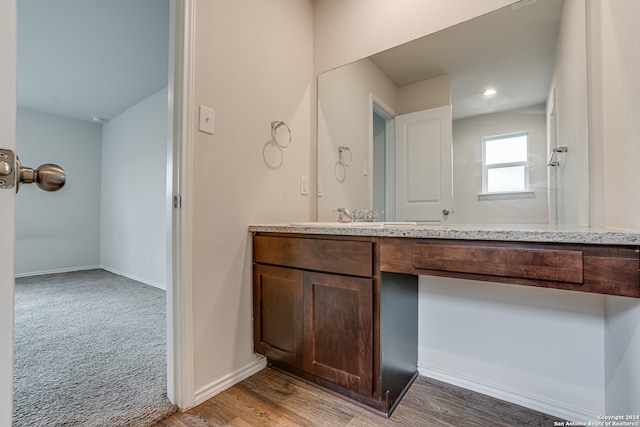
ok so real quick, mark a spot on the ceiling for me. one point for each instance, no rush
(85, 58)
(511, 49)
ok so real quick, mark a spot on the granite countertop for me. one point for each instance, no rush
(510, 232)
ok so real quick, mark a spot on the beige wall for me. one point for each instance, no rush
(620, 132)
(344, 119)
(252, 72)
(424, 95)
(348, 30)
(569, 87)
(253, 65)
(621, 105)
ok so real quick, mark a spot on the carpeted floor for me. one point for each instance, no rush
(90, 350)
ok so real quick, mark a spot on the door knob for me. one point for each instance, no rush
(48, 177)
(445, 212)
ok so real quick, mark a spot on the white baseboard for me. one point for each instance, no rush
(58, 270)
(134, 277)
(210, 390)
(537, 403)
(94, 267)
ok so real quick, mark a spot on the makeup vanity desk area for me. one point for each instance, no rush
(337, 305)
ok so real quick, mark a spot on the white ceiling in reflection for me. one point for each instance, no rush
(511, 50)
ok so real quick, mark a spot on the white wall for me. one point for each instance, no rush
(622, 353)
(345, 119)
(350, 30)
(467, 169)
(133, 192)
(570, 86)
(620, 129)
(58, 231)
(253, 64)
(540, 348)
(112, 207)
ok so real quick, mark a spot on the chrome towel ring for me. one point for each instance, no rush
(341, 153)
(274, 133)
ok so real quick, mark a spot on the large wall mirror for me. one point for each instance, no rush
(481, 123)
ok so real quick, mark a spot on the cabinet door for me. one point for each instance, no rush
(277, 317)
(338, 330)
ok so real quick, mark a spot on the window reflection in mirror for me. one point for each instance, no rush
(534, 56)
(505, 163)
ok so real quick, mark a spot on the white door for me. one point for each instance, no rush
(7, 206)
(424, 183)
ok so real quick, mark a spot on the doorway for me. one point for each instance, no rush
(87, 227)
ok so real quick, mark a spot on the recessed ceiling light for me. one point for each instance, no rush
(489, 92)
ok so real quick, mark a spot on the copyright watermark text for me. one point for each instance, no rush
(603, 420)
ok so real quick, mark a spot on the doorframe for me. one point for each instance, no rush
(378, 106)
(180, 366)
(180, 354)
(8, 49)
(552, 171)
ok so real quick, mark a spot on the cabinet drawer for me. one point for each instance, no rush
(558, 265)
(334, 256)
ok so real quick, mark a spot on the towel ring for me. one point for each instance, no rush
(341, 151)
(274, 128)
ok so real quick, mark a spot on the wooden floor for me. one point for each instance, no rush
(272, 398)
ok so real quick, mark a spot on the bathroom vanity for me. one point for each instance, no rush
(337, 305)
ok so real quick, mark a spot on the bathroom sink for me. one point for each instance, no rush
(330, 224)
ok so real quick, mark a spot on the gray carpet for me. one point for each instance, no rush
(90, 350)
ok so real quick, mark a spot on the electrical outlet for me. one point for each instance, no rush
(304, 185)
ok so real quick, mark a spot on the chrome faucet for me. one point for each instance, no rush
(344, 215)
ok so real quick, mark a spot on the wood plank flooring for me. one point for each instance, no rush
(273, 398)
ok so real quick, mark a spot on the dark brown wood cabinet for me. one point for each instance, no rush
(278, 320)
(317, 305)
(342, 311)
(602, 269)
(338, 323)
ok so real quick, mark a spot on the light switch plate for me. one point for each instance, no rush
(304, 185)
(206, 123)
